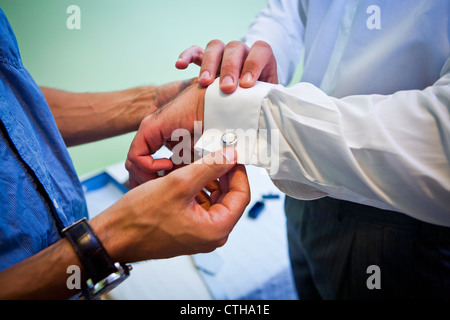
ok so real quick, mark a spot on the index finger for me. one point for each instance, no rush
(193, 54)
(212, 59)
(140, 152)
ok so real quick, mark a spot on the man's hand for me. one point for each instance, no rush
(172, 215)
(163, 218)
(234, 63)
(156, 130)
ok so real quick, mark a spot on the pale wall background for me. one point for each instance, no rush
(121, 44)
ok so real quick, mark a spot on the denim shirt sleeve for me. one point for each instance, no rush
(41, 192)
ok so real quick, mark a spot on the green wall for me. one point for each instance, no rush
(121, 44)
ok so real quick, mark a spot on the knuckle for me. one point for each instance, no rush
(175, 188)
(131, 159)
(221, 242)
(247, 198)
(262, 44)
(175, 179)
(230, 66)
(252, 64)
(215, 43)
(235, 44)
(216, 243)
(196, 48)
(128, 165)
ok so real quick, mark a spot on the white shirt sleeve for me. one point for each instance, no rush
(279, 25)
(387, 151)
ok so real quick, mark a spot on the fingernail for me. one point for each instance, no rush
(227, 81)
(205, 75)
(229, 154)
(247, 77)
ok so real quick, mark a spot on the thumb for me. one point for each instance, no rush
(209, 168)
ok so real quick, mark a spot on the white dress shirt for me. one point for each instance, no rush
(369, 122)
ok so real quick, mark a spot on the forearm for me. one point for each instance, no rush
(87, 117)
(45, 275)
(42, 276)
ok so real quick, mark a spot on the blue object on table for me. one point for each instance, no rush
(100, 180)
(256, 209)
(271, 196)
(101, 191)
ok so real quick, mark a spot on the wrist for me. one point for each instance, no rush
(119, 227)
(180, 113)
(126, 228)
(102, 273)
(142, 101)
(105, 226)
(238, 112)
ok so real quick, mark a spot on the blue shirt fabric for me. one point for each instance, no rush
(40, 191)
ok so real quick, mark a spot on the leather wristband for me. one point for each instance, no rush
(93, 256)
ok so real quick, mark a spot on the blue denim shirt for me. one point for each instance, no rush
(40, 192)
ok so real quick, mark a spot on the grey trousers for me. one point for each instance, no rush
(343, 250)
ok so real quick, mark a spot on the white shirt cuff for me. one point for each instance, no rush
(238, 112)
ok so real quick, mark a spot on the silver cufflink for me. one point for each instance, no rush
(229, 139)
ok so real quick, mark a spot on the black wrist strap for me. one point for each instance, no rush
(93, 256)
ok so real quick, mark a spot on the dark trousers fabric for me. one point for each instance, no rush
(333, 243)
